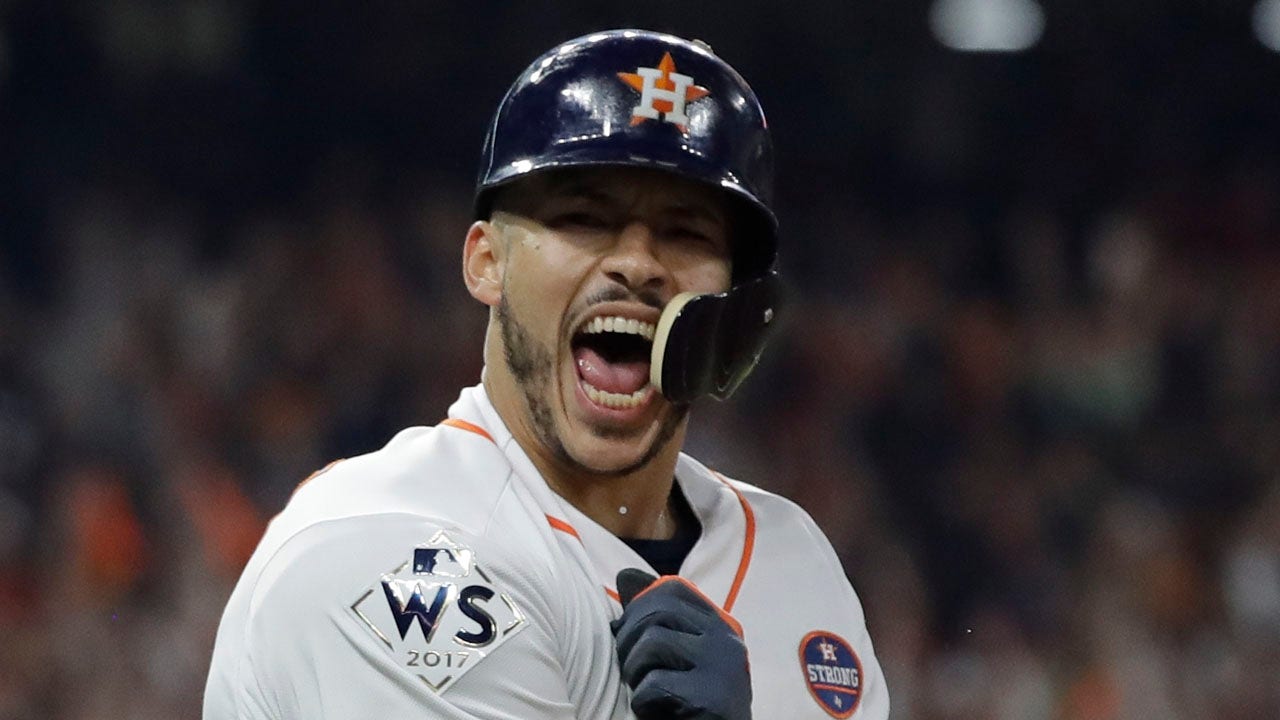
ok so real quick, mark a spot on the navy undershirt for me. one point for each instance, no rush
(666, 556)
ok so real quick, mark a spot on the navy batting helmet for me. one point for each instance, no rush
(641, 99)
(636, 98)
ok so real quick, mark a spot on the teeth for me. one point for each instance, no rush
(629, 326)
(617, 401)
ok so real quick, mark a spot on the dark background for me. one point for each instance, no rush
(1028, 385)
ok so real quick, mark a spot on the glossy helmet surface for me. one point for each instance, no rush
(637, 98)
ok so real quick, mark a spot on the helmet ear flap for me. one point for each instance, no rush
(708, 344)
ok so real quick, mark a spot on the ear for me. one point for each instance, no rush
(481, 266)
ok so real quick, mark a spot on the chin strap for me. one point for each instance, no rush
(708, 344)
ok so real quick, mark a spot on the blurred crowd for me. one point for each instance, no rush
(1028, 383)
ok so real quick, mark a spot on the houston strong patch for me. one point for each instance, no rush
(439, 613)
(832, 671)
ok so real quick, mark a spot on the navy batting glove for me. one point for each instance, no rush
(682, 656)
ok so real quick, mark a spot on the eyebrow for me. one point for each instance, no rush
(699, 211)
(579, 189)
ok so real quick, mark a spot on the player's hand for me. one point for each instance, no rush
(682, 656)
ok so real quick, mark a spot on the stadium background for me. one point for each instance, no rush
(1029, 383)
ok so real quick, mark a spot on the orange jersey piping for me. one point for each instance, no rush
(469, 427)
(748, 544)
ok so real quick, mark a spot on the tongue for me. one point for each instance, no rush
(614, 377)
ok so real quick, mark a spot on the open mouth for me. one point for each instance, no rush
(612, 358)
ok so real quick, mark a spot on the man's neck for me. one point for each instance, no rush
(636, 504)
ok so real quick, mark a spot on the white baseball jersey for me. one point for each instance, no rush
(440, 577)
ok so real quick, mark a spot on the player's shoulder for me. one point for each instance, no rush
(424, 481)
(336, 562)
(434, 502)
(761, 501)
(774, 516)
(764, 499)
(409, 595)
(449, 476)
(441, 472)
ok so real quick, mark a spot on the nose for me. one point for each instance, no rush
(633, 259)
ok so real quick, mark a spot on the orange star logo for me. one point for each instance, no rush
(664, 93)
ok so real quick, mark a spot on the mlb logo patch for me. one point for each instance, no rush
(832, 672)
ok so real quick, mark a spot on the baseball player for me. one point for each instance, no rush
(547, 551)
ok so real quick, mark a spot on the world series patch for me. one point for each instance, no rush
(832, 671)
(439, 613)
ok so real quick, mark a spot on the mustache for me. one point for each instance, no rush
(618, 294)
